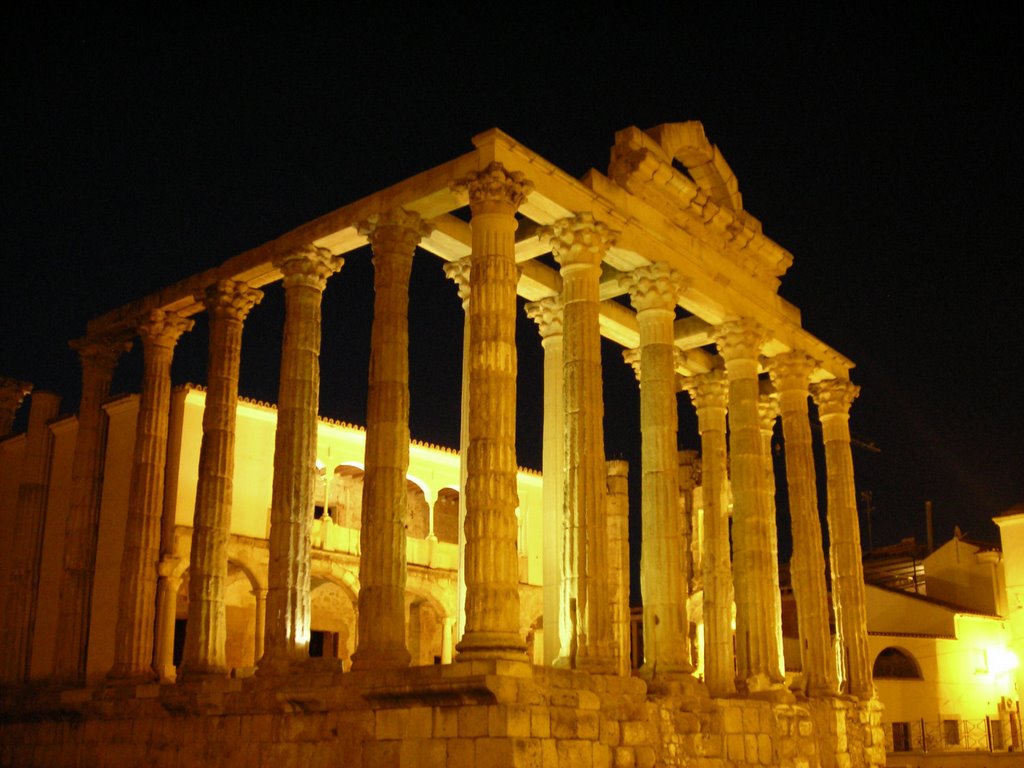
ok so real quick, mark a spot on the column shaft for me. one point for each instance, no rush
(227, 302)
(768, 414)
(98, 357)
(166, 611)
(791, 374)
(756, 640)
(27, 541)
(382, 563)
(492, 563)
(834, 398)
(133, 638)
(618, 561)
(285, 638)
(709, 393)
(557, 588)
(579, 244)
(654, 291)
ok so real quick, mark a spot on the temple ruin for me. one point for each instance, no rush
(475, 614)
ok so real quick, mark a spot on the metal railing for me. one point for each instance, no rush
(990, 734)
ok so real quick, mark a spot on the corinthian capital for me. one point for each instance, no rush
(397, 231)
(767, 410)
(740, 339)
(229, 299)
(708, 390)
(547, 313)
(458, 272)
(834, 396)
(656, 286)
(160, 328)
(631, 356)
(101, 352)
(308, 266)
(494, 187)
(579, 239)
(791, 371)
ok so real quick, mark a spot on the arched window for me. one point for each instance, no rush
(897, 663)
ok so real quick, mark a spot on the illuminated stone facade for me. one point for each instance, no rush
(522, 609)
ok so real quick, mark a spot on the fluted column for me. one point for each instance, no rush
(27, 541)
(790, 374)
(382, 563)
(757, 652)
(579, 244)
(710, 394)
(259, 632)
(167, 585)
(228, 303)
(458, 272)
(12, 393)
(768, 414)
(833, 398)
(98, 357)
(492, 563)
(654, 291)
(133, 637)
(688, 480)
(286, 634)
(557, 588)
(617, 473)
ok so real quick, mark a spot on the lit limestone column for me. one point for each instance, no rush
(833, 398)
(286, 633)
(557, 588)
(382, 563)
(710, 394)
(654, 291)
(757, 652)
(492, 563)
(98, 357)
(227, 302)
(618, 560)
(12, 393)
(790, 374)
(688, 478)
(167, 585)
(458, 272)
(26, 541)
(259, 631)
(579, 244)
(768, 414)
(136, 608)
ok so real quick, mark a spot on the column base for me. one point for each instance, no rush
(475, 646)
(381, 658)
(198, 673)
(123, 676)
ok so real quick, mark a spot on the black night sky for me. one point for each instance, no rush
(881, 152)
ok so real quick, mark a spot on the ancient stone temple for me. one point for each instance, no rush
(193, 578)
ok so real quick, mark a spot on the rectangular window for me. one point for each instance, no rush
(951, 732)
(901, 737)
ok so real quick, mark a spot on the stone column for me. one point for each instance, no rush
(26, 549)
(492, 564)
(557, 586)
(136, 609)
(12, 393)
(579, 244)
(688, 480)
(382, 563)
(768, 414)
(98, 357)
(259, 633)
(458, 271)
(618, 560)
(654, 291)
(790, 374)
(167, 585)
(228, 303)
(833, 398)
(304, 276)
(710, 395)
(757, 653)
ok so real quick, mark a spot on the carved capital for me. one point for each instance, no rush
(689, 470)
(708, 390)
(578, 239)
(768, 410)
(397, 231)
(101, 353)
(458, 271)
(229, 299)
(740, 339)
(656, 286)
(308, 266)
(12, 391)
(547, 313)
(160, 328)
(632, 358)
(791, 371)
(494, 188)
(834, 396)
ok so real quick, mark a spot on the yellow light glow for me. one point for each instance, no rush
(1002, 660)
